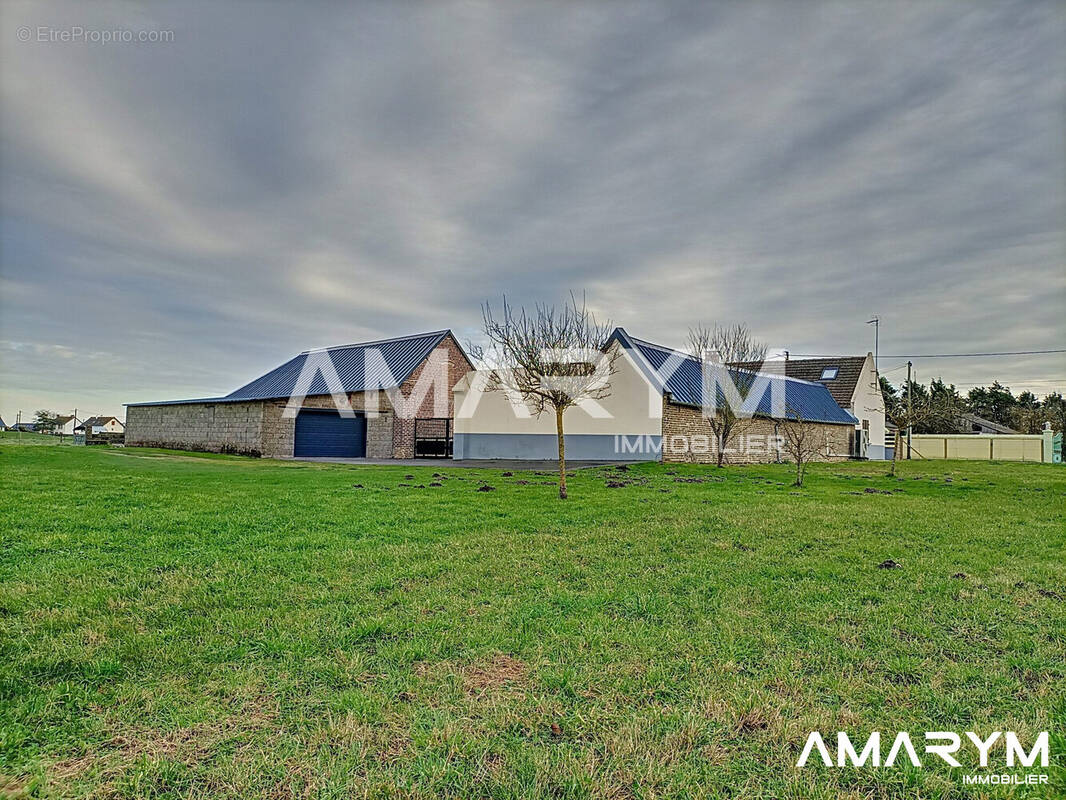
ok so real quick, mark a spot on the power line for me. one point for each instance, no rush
(943, 355)
(893, 369)
(1019, 382)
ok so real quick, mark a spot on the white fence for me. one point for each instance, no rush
(981, 447)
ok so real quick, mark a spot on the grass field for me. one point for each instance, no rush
(26, 438)
(173, 625)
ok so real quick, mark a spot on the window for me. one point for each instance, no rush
(829, 374)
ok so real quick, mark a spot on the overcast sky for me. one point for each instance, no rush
(180, 217)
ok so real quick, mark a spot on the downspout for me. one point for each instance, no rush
(662, 428)
(777, 435)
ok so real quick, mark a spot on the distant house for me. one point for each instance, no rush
(853, 382)
(972, 423)
(3, 425)
(64, 425)
(28, 427)
(100, 425)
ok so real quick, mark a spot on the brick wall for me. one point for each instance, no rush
(403, 432)
(210, 427)
(687, 437)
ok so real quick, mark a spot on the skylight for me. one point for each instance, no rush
(829, 373)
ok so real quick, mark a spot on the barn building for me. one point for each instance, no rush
(399, 391)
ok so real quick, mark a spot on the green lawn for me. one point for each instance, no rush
(173, 625)
(24, 438)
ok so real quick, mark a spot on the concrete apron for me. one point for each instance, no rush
(447, 463)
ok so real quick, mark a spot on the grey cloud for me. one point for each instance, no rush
(283, 177)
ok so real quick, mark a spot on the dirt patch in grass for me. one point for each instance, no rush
(188, 745)
(498, 672)
(15, 788)
(385, 742)
(754, 719)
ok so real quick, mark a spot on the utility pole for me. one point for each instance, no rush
(876, 322)
(908, 410)
(18, 424)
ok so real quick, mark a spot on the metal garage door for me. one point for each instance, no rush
(326, 433)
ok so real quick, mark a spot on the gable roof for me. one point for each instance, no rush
(91, 421)
(971, 419)
(812, 401)
(63, 420)
(401, 355)
(842, 387)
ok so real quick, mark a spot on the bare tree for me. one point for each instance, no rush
(803, 441)
(904, 415)
(729, 345)
(552, 358)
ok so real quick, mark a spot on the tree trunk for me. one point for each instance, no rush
(897, 441)
(721, 445)
(562, 452)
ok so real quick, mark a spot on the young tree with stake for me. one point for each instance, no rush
(551, 358)
(803, 441)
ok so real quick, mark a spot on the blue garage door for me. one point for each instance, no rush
(326, 433)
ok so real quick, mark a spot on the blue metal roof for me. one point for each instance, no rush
(811, 401)
(401, 357)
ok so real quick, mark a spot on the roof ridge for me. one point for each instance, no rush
(398, 351)
(825, 358)
(442, 333)
(691, 357)
(813, 399)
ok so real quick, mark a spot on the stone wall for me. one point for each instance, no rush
(258, 428)
(210, 427)
(687, 437)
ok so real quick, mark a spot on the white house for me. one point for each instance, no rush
(65, 425)
(100, 424)
(855, 385)
(488, 425)
(655, 410)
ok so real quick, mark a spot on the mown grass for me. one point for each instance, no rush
(26, 438)
(173, 625)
